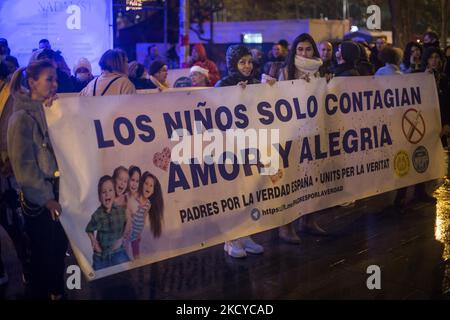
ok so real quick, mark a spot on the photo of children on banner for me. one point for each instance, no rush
(145, 206)
(128, 201)
(106, 229)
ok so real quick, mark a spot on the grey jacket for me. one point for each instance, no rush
(29, 150)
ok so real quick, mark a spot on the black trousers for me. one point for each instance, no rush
(48, 243)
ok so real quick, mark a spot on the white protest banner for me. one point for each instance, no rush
(332, 143)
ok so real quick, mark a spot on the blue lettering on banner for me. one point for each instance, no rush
(146, 133)
(352, 141)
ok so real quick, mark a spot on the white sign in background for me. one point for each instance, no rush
(390, 163)
(81, 28)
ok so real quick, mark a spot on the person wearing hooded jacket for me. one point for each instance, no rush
(240, 72)
(199, 58)
(240, 67)
(347, 56)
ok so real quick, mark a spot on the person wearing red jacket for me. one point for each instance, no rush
(199, 58)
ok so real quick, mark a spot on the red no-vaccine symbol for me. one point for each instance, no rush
(413, 125)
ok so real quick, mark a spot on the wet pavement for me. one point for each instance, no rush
(411, 248)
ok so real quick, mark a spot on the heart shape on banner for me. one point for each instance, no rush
(162, 159)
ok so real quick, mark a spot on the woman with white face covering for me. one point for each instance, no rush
(303, 61)
(82, 74)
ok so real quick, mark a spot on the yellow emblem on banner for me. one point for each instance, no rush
(401, 163)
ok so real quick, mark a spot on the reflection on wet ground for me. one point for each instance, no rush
(412, 249)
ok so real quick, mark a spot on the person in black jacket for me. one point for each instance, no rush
(240, 67)
(240, 72)
(364, 67)
(433, 60)
(347, 56)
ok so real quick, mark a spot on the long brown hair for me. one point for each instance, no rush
(290, 61)
(33, 71)
(157, 203)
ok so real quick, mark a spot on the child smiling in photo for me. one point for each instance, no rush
(120, 178)
(106, 228)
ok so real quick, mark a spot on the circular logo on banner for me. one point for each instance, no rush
(182, 82)
(401, 163)
(420, 159)
(413, 125)
(255, 214)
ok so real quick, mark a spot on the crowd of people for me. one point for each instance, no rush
(29, 173)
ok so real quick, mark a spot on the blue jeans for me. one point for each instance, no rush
(112, 259)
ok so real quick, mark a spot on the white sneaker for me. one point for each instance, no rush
(234, 248)
(4, 279)
(251, 246)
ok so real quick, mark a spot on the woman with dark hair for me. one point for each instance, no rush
(35, 168)
(303, 60)
(240, 67)
(412, 58)
(139, 76)
(151, 189)
(241, 73)
(114, 77)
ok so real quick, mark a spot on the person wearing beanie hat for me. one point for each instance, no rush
(82, 74)
(199, 58)
(240, 67)
(347, 56)
(199, 77)
(158, 74)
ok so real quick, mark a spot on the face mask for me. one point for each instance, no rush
(83, 76)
